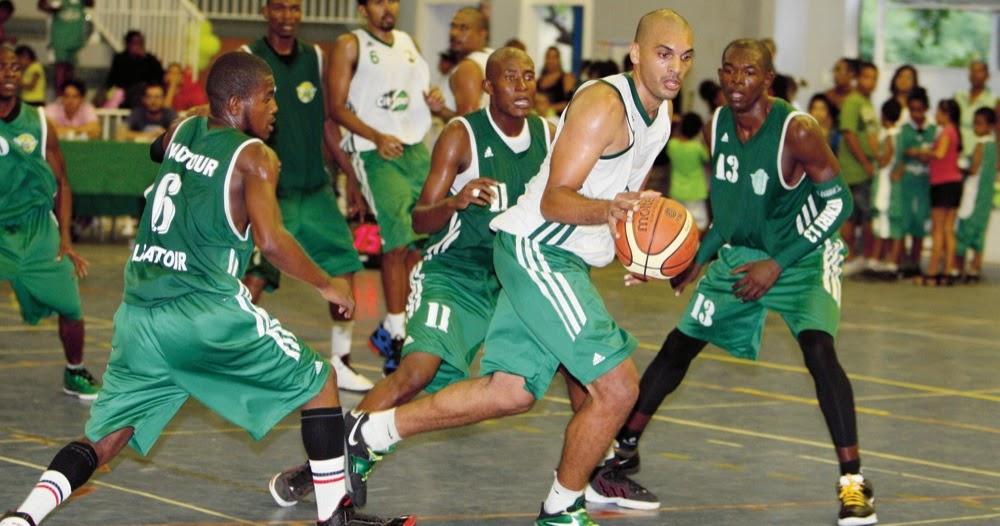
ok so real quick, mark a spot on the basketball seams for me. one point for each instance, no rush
(659, 211)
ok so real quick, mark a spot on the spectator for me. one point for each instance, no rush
(556, 84)
(915, 137)
(67, 34)
(977, 196)
(785, 87)
(6, 11)
(33, 78)
(978, 96)
(599, 69)
(182, 91)
(826, 114)
(688, 157)
(150, 118)
(543, 107)
(73, 117)
(903, 82)
(887, 197)
(946, 194)
(711, 93)
(845, 71)
(133, 69)
(858, 148)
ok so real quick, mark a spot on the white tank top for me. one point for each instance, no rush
(387, 91)
(479, 57)
(623, 172)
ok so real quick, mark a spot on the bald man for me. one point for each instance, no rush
(463, 93)
(549, 314)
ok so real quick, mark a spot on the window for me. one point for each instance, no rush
(938, 37)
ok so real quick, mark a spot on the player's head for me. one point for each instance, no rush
(283, 17)
(470, 29)
(867, 77)
(510, 82)
(845, 70)
(891, 110)
(746, 73)
(979, 73)
(380, 14)
(10, 73)
(240, 89)
(662, 52)
(983, 121)
(918, 103)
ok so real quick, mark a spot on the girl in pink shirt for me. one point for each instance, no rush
(946, 194)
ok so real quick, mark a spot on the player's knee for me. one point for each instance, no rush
(818, 350)
(410, 380)
(679, 349)
(618, 388)
(509, 394)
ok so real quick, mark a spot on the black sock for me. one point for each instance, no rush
(323, 433)
(77, 461)
(851, 466)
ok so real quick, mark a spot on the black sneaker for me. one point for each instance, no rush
(610, 485)
(11, 514)
(857, 501)
(291, 485)
(626, 459)
(361, 459)
(346, 515)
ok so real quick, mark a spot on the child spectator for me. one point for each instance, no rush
(33, 78)
(6, 11)
(946, 194)
(916, 136)
(887, 197)
(977, 195)
(72, 116)
(688, 157)
(826, 114)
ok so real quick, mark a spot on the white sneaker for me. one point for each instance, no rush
(854, 266)
(348, 379)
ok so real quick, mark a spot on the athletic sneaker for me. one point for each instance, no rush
(575, 515)
(16, 518)
(383, 344)
(292, 485)
(361, 459)
(80, 383)
(348, 379)
(857, 501)
(609, 485)
(627, 460)
(346, 515)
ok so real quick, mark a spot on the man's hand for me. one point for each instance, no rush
(435, 100)
(338, 291)
(80, 265)
(760, 276)
(682, 280)
(624, 203)
(389, 147)
(357, 205)
(476, 192)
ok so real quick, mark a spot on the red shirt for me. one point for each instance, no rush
(945, 170)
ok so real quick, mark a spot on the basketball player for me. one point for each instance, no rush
(377, 88)
(36, 253)
(549, 314)
(780, 199)
(463, 92)
(308, 203)
(187, 327)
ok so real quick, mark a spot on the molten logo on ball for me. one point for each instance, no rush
(659, 240)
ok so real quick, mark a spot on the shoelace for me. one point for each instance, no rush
(852, 495)
(617, 476)
(373, 458)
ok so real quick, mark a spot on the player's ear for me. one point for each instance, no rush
(488, 87)
(234, 106)
(633, 52)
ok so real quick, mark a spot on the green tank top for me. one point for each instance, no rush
(187, 241)
(468, 235)
(68, 25)
(27, 183)
(298, 131)
(754, 207)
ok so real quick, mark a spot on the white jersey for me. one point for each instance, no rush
(480, 58)
(387, 91)
(622, 172)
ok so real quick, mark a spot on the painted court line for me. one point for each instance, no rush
(902, 474)
(946, 520)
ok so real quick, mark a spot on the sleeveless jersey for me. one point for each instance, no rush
(68, 25)
(468, 233)
(764, 212)
(298, 131)
(387, 92)
(26, 180)
(910, 137)
(977, 194)
(624, 171)
(479, 57)
(187, 241)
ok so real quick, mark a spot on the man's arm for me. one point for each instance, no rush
(849, 122)
(341, 72)
(257, 168)
(467, 86)
(452, 155)
(332, 138)
(64, 201)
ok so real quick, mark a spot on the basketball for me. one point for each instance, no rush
(659, 240)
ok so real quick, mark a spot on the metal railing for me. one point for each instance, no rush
(171, 27)
(316, 11)
(112, 122)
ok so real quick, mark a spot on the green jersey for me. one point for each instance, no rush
(755, 206)
(298, 131)
(68, 25)
(910, 136)
(187, 241)
(979, 187)
(468, 233)
(26, 180)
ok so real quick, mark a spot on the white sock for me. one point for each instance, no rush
(395, 323)
(560, 498)
(328, 479)
(74, 366)
(52, 489)
(380, 430)
(340, 338)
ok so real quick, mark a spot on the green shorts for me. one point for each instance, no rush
(970, 233)
(916, 206)
(66, 55)
(549, 314)
(43, 286)
(315, 220)
(392, 188)
(448, 313)
(806, 295)
(224, 351)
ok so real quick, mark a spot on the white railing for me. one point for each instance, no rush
(316, 11)
(112, 122)
(171, 27)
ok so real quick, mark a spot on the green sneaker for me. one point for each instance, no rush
(80, 383)
(361, 459)
(575, 515)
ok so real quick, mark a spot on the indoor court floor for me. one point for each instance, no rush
(741, 443)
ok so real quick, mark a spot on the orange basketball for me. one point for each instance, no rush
(659, 240)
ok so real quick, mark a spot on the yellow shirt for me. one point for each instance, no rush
(36, 95)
